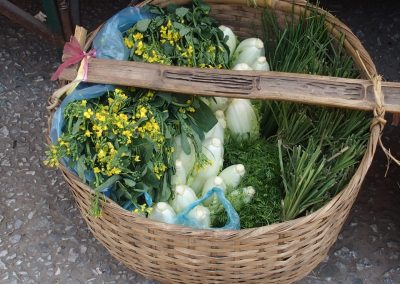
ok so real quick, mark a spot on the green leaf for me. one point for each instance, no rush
(129, 182)
(109, 182)
(184, 31)
(168, 49)
(164, 193)
(204, 117)
(185, 143)
(81, 167)
(142, 25)
(181, 11)
(77, 124)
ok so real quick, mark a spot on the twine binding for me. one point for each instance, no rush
(379, 112)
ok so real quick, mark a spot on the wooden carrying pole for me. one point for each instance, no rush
(303, 88)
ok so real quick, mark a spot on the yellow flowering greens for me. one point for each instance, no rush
(123, 141)
(178, 36)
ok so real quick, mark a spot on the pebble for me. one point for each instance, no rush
(15, 239)
(58, 271)
(374, 228)
(363, 264)
(2, 265)
(5, 163)
(3, 253)
(83, 249)
(4, 132)
(72, 255)
(342, 267)
(17, 224)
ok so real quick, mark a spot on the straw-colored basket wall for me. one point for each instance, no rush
(279, 253)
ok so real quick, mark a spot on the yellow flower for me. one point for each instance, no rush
(101, 154)
(141, 112)
(136, 158)
(100, 117)
(123, 116)
(96, 170)
(191, 109)
(88, 133)
(88, 113)
(169, 24)
(128, 42)
(138, 36)
(83, 102)
(139, 48)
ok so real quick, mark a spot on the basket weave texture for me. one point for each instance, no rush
(278, 253)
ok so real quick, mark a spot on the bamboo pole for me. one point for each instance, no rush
(303, 88)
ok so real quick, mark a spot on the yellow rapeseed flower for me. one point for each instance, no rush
(96, 170)
(83, 102)
(88, 113)
(88, 133)
(138, 36)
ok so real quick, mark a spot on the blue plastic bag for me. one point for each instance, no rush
(109, 42)
(233, 217)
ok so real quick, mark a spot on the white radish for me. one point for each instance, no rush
(187, 160)
(241, 119)
(163, 212)
(200, 215)
(218, 131)
(218, 103)
(232, 175)
(209, 185)
(260, 64)
(184, 196)
(242, 67)
(179, 178)
(232, 41)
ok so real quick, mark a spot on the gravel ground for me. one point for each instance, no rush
(43, 238)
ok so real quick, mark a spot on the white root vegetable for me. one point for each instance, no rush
(242, 67)
(241, 119)
(213, 150)
(252, 41)
(218, 131)
(218, 103)
(201, 216)
(232, 175)
(187, 160)
(248, 51)
(209, 185)
(163, 212)
(260, 64)
(232, 41)
(179, 178)
(248, 194)
(184, 196)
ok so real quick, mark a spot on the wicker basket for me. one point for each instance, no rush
(279, 253)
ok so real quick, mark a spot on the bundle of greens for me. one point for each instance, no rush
(124, 140)
(178, 36)
(319, 147)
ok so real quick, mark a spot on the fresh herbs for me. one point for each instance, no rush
(319, 147)
(260, 158)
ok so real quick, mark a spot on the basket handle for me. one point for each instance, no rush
(303, 88)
